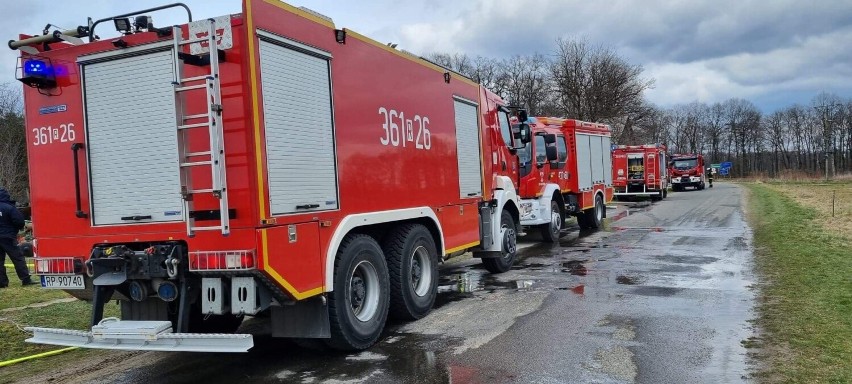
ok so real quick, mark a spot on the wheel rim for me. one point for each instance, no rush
(364, 290)
(555, 220)
(509, 245)
(421, 271)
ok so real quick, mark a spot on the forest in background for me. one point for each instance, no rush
(590, 82)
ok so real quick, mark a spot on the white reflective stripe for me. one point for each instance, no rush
(362, 219)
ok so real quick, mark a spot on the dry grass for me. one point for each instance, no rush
(818, 196)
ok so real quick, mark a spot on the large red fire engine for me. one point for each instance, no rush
(640, 170)
(687, 170)
(565, 170)
(300, 172)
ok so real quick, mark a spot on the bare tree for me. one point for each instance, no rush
(13, 145)
(593, 83)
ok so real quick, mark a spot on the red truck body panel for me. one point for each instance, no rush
(366, 76)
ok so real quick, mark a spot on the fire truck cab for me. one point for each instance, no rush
(640, 170)
(267, 164)
(687, 170)
(565, 170)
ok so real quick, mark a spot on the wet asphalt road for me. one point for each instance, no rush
(662, 296)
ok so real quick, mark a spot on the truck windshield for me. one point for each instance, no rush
(685, 163)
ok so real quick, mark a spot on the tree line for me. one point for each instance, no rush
(593, 83)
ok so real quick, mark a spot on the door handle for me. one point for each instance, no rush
(79, 212)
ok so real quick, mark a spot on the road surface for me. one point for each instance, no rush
(662, 296)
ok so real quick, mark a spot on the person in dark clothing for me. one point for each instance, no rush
(11, 221)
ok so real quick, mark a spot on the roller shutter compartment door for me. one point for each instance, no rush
(299, 130)
(132, 139)
(606, 150)
(467, 149)
(584, 160)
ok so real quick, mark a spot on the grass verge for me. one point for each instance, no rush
(69, 315)
(806, 291)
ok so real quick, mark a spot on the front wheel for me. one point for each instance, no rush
(413, 270)
(550, 231)
(358, 306)
(509, 247)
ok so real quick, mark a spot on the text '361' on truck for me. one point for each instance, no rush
(300, 172)
(565, 170)
(687, 170)
(640, 170)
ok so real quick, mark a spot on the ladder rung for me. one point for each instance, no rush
(198, 116)
(206, 190)
(211, 228)
(190, 87)
(195, 40)
(201, 153)
(194, 78)
(196, 125)
(196, 163)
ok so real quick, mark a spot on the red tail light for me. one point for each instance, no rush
(241, 260)
(57, 266)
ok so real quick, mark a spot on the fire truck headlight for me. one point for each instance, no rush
(526, 209)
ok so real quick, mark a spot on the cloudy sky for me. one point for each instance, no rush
(773, 53)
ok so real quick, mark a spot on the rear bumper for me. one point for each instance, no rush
(141, 336)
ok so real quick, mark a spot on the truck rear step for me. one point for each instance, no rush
(112, 333)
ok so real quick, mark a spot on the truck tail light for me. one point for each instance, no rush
(58, 266)
(240, 260)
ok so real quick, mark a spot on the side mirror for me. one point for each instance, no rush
(551, 152)
(522, 115)
(524, 134)
(550, 139)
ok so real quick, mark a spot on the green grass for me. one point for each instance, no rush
(806, 292)
(17, 296)
(68, 315)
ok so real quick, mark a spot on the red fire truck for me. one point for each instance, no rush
(265, 163)
(687, 170)
(640, 170)
(565, 170)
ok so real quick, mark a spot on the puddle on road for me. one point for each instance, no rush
(687, 259)
(627, 280)
(656, 291)
(632, 209)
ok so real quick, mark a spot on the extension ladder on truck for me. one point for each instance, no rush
(214, 157)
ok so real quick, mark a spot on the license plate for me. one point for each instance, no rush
(63, 282)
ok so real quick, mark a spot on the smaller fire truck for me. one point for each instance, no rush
(687, 170)
(565, 170)
(640, 170)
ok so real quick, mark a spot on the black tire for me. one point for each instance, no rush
(509, 246)
(592, 218)
(657, 196)
(550, 232)
(413, 270)
(358, 306)
(665, 192)
(700, 186)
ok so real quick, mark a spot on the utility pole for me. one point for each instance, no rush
(823, 109)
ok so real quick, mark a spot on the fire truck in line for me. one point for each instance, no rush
(565, 170)
(640, 170)
(265, 163)
(687, 170)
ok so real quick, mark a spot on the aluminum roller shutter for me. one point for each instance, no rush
(606, 150)
(468, 149)
(596, 159)
(299, 130)
(584, 160)
(132, 139)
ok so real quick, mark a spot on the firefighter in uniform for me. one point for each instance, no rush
(11, 221)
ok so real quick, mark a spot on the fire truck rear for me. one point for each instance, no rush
(640, 170)
(263, 164)
(687, 170)
(565, 170)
